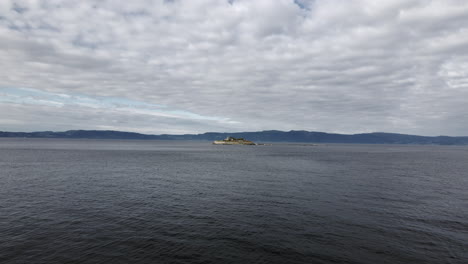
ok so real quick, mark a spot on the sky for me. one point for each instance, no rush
(194, 66)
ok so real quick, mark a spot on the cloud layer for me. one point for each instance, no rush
(240, 65)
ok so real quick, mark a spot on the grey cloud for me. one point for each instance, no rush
(338, 66)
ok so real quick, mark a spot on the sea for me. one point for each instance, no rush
(141, 201)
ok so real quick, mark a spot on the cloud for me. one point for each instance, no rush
(337, 66)
(87, 103)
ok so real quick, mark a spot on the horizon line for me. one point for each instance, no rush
(284, 131)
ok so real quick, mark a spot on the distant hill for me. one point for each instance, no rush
(262, 136)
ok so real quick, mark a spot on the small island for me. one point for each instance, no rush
(233, 141)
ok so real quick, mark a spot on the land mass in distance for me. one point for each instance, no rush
(261, 136)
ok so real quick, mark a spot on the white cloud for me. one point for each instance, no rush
(330, 65)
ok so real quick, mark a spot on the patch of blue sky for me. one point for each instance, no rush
(34, 96)
(37, 97)
(193, 115)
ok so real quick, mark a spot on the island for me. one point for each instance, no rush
(233, 141)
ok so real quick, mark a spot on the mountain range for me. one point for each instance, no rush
(261, 136)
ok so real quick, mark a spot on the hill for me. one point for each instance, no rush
(262, 136)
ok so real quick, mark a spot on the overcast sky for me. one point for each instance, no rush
(193, 66)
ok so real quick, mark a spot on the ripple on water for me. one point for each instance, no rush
(97, 201)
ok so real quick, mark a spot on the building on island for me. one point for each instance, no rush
(233, 141)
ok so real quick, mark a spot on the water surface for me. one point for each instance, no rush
(112, 201)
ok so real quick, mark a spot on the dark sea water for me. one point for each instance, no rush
(109, 201)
